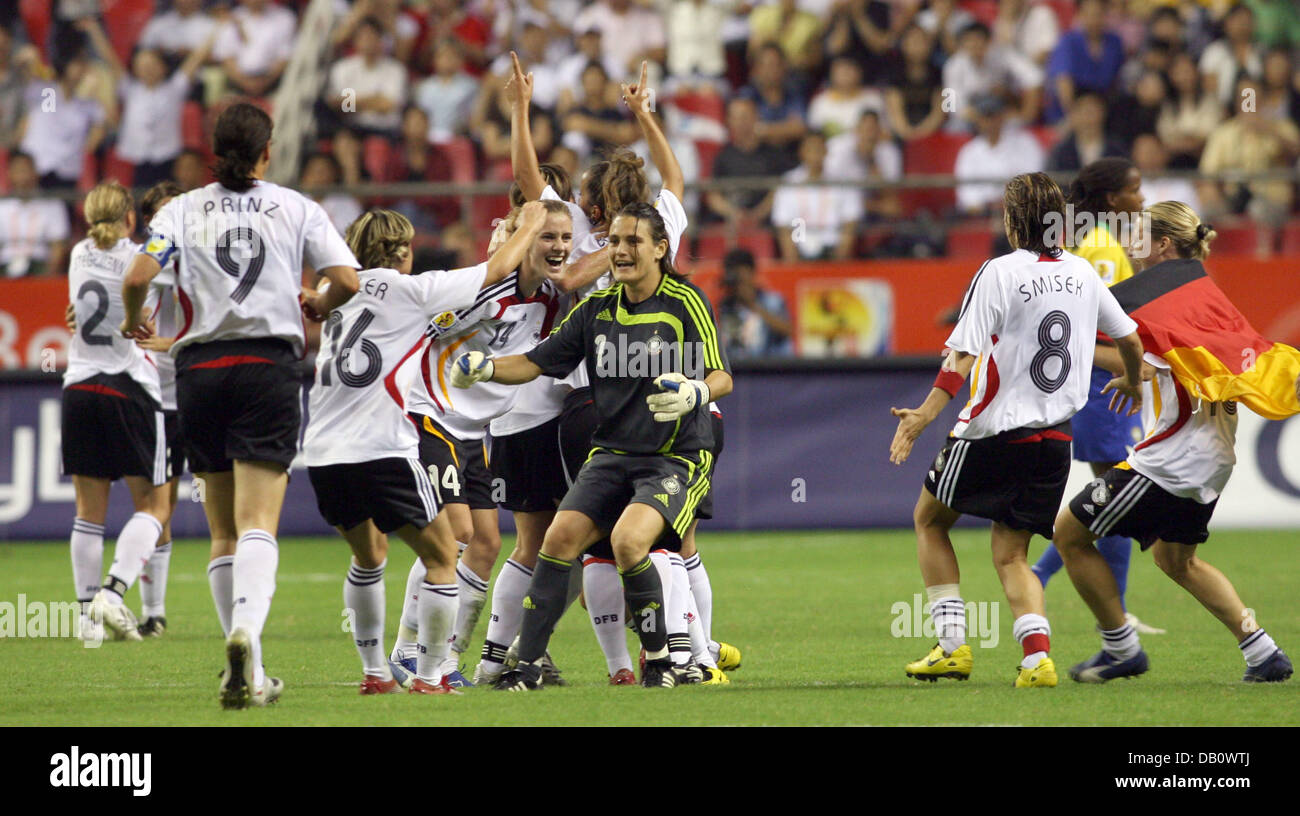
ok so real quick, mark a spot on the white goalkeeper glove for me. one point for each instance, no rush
(680, 396)
(472, 367)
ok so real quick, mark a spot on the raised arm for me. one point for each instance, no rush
(99, 41)
(195, 59)
(638, 98)
(523, 155)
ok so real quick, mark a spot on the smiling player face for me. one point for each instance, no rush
(633, 255)
(551, 247)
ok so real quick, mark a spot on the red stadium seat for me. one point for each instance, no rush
(1064, 12)
(710, 242)
(36, 16)
(1046, 136)
(464, 163)
(4, 170)
(500, 170)
(124, 21)
(116, 167)
(89, 173)
(486, 209)
(708, 153)
(1236, 240)
(985, 11)
(701, 104)
(192, 132)
(932, 155)
(1290, 239)
(375, 157)
(760, 242)
(970, 240)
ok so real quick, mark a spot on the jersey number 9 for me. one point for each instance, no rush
(254, 255)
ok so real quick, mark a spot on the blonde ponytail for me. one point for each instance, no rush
(1181, 225)
(106, 209)
(380, 238)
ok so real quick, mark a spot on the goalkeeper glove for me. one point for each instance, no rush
(679, 398)
(470, 368)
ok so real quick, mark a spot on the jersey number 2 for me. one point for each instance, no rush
(1052, 347)
(101, 311)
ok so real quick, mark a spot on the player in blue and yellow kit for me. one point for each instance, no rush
(1105, 192)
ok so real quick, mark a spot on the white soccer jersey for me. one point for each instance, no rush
(368, 360)
(239, 260)
(166, 325)
(500, 322)
(1189, 449)
(95, 289)
(1032, 321)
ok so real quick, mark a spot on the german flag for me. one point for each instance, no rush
(1212, 349)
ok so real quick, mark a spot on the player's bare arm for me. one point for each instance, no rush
(135, 286)
(523, 155)
(582, 272)
(1107, 356)
(343, 284)
(638, 99)
(529, 222)
(1128, 386)
(912, 421)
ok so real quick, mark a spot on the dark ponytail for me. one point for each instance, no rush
(1095, 182)
(241, 134)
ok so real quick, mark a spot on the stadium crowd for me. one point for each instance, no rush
(837, 90)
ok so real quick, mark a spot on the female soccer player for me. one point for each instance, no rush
(1106, 192)
(649, 468)
(1027, 328)
(359, 434)
(240, 245)
(1164, 493)
(112, 422)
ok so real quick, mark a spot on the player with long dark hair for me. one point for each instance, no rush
(240, 245)
(1027, 329)
(651, 458)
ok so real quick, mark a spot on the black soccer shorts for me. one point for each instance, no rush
(457, 467)
(238, 399)
(175, 449)
(530, 464)
(1016, 478)
(673, 484)
(391, 492)
(113, 428)
(1123, 502)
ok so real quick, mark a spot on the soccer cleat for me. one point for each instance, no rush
(153, 626)
(658, 674)
(691, 674)
(939, 663)
(525, 677)
(550, 672)
(237, 680)
(419, 686)
(269, 693)
(371, 684)
(1103, 666)
(1274, 670)
(117, 619)
(713, 676)
(408, 665)
(1042, 675)
(623, 677)
(1140, 627)
(403, 677)
(456, 680)
(483, 676)
(728, 657)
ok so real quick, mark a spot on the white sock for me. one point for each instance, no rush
(1026, 626)
(135, 544)
(437, 616)
(507, 613)
(700, 652)
(949, 615)
(87, 558)
(408, 637)
(1257, 648)
(605, 606)
(220, 579)
(1121, 643)
(677, 611)
(473, 595)
(252, 587)
(363, 594)
(153, 582)
(703, 592)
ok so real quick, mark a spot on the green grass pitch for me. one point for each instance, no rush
(810, 610)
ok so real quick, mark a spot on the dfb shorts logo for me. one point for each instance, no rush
(672, 486)
(940, 460)
(1100, 493)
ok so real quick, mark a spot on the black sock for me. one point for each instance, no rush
(543, 606)
(645, 598)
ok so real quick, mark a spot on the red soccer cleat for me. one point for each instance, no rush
(377, 685)
(623, 677)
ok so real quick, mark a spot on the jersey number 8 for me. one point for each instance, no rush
(1049, 347)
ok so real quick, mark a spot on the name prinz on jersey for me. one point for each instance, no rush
(1047, 284)
(230, 204)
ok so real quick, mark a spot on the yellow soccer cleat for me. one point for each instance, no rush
(939, 663)
(1041, 676)
(714, 676)
(728, 657)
